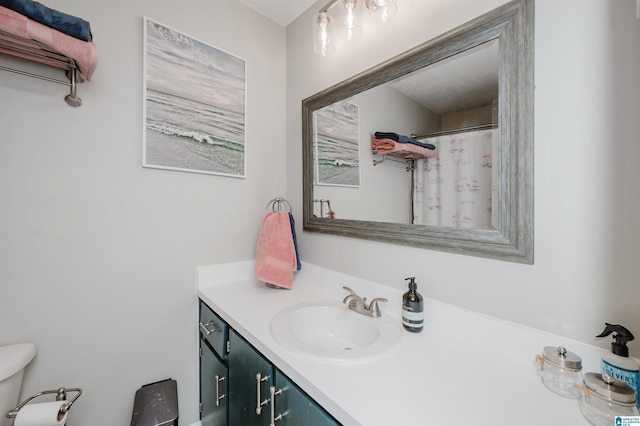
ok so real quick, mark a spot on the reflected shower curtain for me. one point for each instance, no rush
(458, 188)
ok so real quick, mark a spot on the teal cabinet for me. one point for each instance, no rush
(213, 388)
(293, 406)
(249, 381)
(214, 330)
(256, 392)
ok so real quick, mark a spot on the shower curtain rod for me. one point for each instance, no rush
(455, 131)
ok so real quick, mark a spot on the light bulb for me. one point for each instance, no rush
(350, 29)
(322, 34)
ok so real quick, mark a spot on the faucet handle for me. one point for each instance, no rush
(373, 307)
(349, 298)
(353, 293)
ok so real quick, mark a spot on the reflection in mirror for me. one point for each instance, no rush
(453, 167)
(451, 105)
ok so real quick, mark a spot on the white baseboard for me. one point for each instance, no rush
(196, 423)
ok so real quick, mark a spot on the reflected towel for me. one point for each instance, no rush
(83, 52)
(67, 24)
(404, 150)
(275, 254)
(403, 139)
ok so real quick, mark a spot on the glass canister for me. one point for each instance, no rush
(603, 398)
(560, 371)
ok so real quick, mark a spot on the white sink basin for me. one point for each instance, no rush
(330, 331)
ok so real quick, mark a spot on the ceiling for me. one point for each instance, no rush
(281, 11)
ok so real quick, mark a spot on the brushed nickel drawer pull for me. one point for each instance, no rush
(205, 330)
(218, 396)
(259, 404)
(274, 392)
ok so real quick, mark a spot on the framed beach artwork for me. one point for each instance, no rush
(194, 105)
(337, 144)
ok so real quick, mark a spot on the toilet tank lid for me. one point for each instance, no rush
(14, 358)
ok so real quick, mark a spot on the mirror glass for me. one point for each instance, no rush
(451, 104)
(432, 148)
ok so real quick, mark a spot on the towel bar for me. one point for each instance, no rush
(322, 202)
(277, 203)
(13, 45)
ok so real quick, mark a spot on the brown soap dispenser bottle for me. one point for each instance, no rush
(412, 308)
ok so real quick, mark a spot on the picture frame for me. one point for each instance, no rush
(194, 105)
(336, 133)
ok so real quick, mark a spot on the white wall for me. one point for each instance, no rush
(587, 69)
(97, 254)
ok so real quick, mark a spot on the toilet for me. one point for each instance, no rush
(13, 360)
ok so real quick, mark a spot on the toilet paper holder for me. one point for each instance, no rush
(61, 395)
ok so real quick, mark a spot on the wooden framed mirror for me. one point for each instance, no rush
(509, 29)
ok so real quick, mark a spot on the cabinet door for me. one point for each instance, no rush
(250, 376)
(294, 407)
(213, 388)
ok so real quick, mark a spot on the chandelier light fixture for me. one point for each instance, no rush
(347, 19)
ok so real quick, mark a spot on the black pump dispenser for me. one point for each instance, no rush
(412, 283)
(412, 308)
(621, 337)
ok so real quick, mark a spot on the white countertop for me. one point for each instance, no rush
(464, 368)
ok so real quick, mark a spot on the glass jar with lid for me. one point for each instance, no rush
(560, 370)
(604, 398)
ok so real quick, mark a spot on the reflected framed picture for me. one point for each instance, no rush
(336, 133)
(194, 105)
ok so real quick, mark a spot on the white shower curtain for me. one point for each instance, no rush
(458, 188)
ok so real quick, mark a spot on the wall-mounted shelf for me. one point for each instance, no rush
(13, 45)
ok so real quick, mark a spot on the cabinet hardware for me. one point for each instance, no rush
(205, 330)
(259, 404)
(218, 396)
(274, 392)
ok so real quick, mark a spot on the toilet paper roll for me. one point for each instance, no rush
(41, 414)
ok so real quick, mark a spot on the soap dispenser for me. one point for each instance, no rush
(617, 364)
(412, 308)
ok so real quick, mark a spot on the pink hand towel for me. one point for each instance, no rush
(404, 150)
(83, 52)
(275, 254)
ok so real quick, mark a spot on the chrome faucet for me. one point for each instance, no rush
(359, 304)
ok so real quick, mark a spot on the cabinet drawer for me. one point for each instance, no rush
(214, 330)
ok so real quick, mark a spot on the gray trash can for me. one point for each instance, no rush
(156, 404)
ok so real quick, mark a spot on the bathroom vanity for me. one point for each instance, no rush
(464, 368)
(238, 382)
